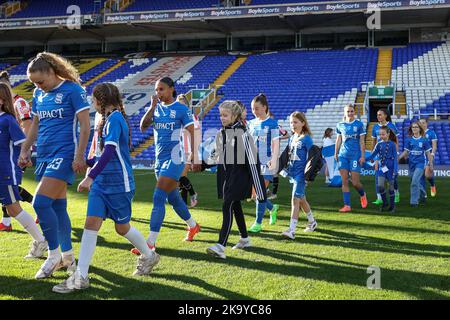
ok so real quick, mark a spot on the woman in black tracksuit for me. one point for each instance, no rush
(238, 169)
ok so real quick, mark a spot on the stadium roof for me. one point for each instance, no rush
(217, 28)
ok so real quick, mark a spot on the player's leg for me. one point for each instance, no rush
(359, 187)
(182, 187)
(379, 197)
(10, 198)
(48, 190)
(396, 189)
(391, 195)
(27, 197)
(64, 233)
(174, 199)
(306, 208)
(187, 185)
(5, 225)
(295, 212)
(184, 194)
(159, 208)
(344, 169)
(382, 191)
(244, 241)
(416, 176)
(218, 250)
(169, 175)
(429, 174)
(261, 207)
(80, 278)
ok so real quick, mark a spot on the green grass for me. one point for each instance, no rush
(411, 247)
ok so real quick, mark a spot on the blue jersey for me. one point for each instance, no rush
(386, 153)
(167, 124)
(117, 176)
(376, 130)
(57, 111)
(350, 133)
(263, 133)
(298, 154)
(431, 136)
(11, 136)
(417, 148)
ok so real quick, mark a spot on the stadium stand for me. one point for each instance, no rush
(40, 8)
(319, 83)
(302, 80)
(37, 8)
(423, 69)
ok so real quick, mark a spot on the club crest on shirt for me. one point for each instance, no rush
(355, 129)
(58, 98)
(420, 144)
(173, 114)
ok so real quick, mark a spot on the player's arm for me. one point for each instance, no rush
(430, 158)
(337, 146)
(147, 119)
(433, 147)
(373, 154)
(25, 156)
(403, 154)
(26, 125)
(275, 144)
(362, 144)
(85, 128)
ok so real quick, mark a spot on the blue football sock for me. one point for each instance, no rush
(64, 225)
(384, 198)
(47, 219)
(346, 198)
(178, 205)
(260, 210)
(431, 181)
(361, 192)
(391, 199)
(269, 205)
(159, 210)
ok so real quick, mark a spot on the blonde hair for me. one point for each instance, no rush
(235, 107)
(46, 61)
(302, 117)
(183, 99)
(348, 106)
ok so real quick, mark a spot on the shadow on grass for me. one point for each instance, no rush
(110, 285)
(415, 284)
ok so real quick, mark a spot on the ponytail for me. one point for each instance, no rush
(46, 61)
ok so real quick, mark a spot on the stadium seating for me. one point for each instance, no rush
(18, 73)
(300, 80)
(423, 69)
(172, 5)
(424, 72)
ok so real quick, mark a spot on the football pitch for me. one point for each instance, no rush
(411, 248)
